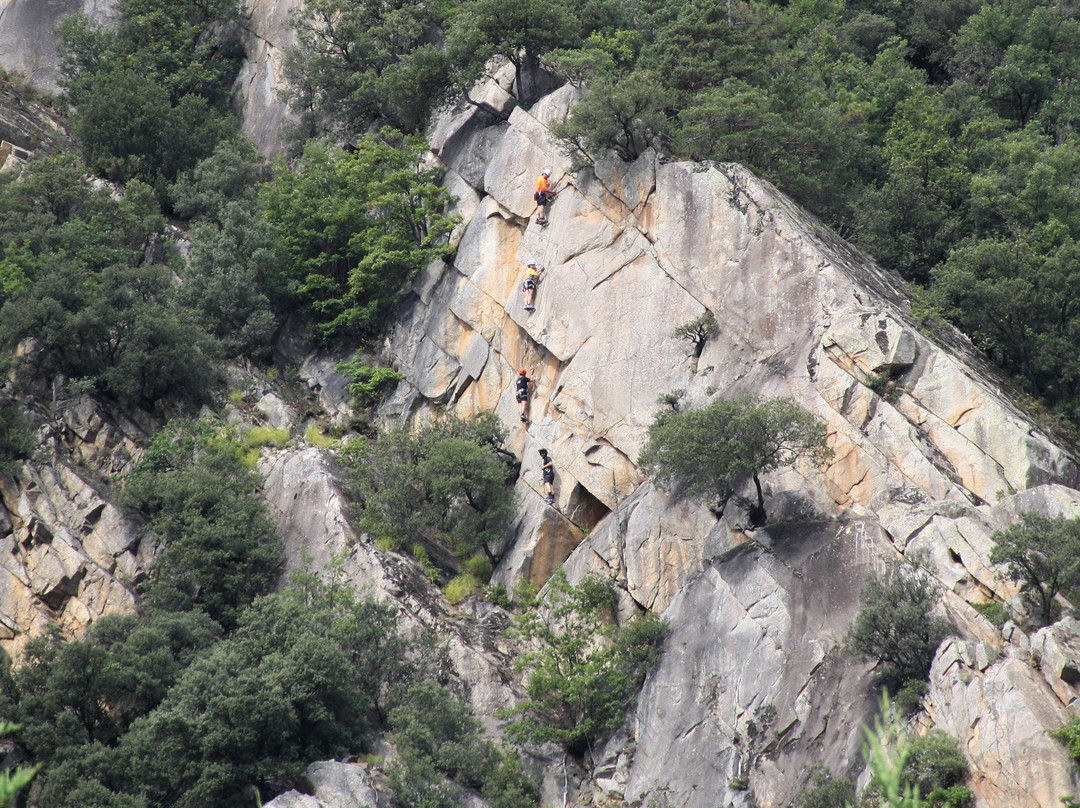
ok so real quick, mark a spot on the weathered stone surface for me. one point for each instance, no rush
(929, 456)
(27, 38)
(1057, 649)
(294, 799)
(1002, 711)
(276, 412)
(343, 785)
(266, 35)
(751, 673)
(68, 555)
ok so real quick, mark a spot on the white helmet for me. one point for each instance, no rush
(546, 172)
(531, 264)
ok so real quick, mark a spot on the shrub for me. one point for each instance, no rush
(896, 626)
(16, 441)
(479, 566)
(369, 384)
(437, 740)
(462, 588)
(581, 676)
(827, 791)
(221, 548)
(934, 763)
(446, 484)
(697, 332)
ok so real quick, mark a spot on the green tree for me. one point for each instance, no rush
(437, 738)
(356, 63)
(89, 690)
(520, 30)
(1042, 553)
(303, 677)
(221, 548)
(827, 791)
(703, 453)
(583, 670)
(447, 485)
(936, 767)
(354, 227)
(896, 627)
(625, 115)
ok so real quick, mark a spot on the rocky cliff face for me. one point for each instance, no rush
(753, 687)
(928, 455)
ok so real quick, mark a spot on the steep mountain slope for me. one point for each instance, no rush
(928, 455)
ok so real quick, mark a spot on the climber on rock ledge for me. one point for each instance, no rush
(543, 196)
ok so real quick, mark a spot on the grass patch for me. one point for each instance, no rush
(319, 439)
(259, 436)
(462, 587)
(993, 611)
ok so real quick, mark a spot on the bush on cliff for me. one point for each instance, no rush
(447, 485)
(220, 547)
(353, 227)
(704, 453)
(583, 669)
(1042, 553)
(896, 626)
(439, 740)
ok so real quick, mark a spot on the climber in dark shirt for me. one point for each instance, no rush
(522, 394)
(547, 468)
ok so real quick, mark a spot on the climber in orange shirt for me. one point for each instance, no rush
(543, 196)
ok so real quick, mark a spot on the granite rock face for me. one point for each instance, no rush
(929, 456)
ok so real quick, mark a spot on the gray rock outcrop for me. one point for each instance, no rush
(929, 455)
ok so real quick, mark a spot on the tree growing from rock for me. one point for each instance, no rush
(584, 670)
(447, 486)
(1042, 553)
(353, 227)
(896, 627)
(704, 453)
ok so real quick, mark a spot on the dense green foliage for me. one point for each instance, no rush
(827, 791)
(583, 669)
(360, 62)
(438, 740)
(368, 383)
(703, 453)
(938, 769)
(446, 486)
(1042, 553)
(75, 277)
(353, 227)
(16, 442)
(219, 547)
(15, 779)
(896, 626)
(159, 710)
(233, 279)
(151, 95)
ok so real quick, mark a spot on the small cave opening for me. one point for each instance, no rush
(584, 509)
(955, 557)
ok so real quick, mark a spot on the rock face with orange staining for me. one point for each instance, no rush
(929, 455)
